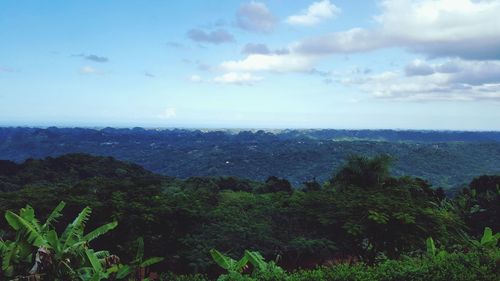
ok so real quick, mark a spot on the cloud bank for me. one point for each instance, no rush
(447, 28)
(452, 80)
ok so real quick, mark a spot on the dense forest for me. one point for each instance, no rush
(361, 223)
(444, 158)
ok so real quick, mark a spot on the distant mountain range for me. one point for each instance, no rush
(445, 158)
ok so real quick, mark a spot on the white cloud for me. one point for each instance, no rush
(168, 113)
(438, 28)
(237, 78)
(89, 70)
(271, 62)
(314, 14)
(453, 80)
(195, 78)
(255, 16)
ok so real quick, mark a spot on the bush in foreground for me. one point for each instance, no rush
(477, 265)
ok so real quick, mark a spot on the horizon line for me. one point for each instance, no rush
(222, 128)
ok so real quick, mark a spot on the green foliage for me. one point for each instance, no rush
(64, 258)
(451, 266)
(100, 231)
(27, 226)
(345, 221)
(364, 171)
(262, 270)
(447, 159)
(95, 272)
(431, 247)
(138, 264)
(228, 263)
(488, 239)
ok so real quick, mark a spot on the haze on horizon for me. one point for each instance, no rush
(402, 64)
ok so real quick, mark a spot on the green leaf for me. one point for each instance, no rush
(102, 254)
(487, 236)
(8, 253)
(100, 231)
(431, 247)
(223, 261)
(56, 213)
(27, 213)
(241, 263)
(53, 240)
(13, 222)
(82, 218)
(2, 246)
(151, 261)
(256, 259)
(77, 247)
(74, 231)
(140, 249)
(85, 273)
(442, 254)
(123, 271)
(94, 261)
(20, 224)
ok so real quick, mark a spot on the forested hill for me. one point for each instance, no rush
(67, 170)
(444, 158)
(183, 220)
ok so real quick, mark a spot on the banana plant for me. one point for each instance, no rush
(431, 247)
(95, 271)
(61, 253)
(432, 251)
(138, 265)
(260, 265)
(73, 239)
(29, 233)
(228, 263)
(14, 255)
(257, 260)
(488, 240)
(235, 268)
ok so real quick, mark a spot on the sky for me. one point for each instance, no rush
(388, 64)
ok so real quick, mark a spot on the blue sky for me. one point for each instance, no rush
(427, 64)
